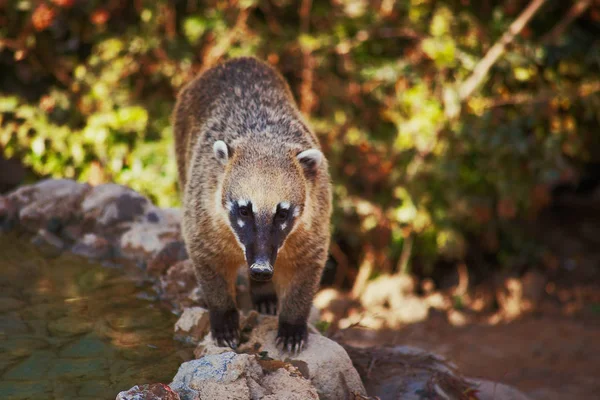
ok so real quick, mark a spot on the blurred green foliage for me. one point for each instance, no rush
(88, 88)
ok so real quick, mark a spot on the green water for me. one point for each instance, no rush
(74, 329)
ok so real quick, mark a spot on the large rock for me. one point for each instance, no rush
(93, 246)
(145, 239)
(193, 325)
(487, 390)
(180, 286)
(112, 206)
(232, 376)
(409, 373)
(48, 204)
(8, 214)
(169, 255)
(155, 391)
(323, 361)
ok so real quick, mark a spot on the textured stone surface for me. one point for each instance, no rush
(48, 202)
(324, 361)
(155, 391)
(180, 286)
(143, 240)
(487, 390)
(193, 324)
(219, 376)
(8, 214)
(405, 372)
(240, 377)
(169, 255)
(93, 246)
(112, 204)
(48, 243)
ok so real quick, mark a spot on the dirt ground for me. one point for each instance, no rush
(547, 355)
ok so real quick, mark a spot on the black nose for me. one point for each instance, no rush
(261, 272)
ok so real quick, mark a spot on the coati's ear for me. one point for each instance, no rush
(310, 160)
(222, 151)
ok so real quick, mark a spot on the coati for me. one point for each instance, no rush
(256, 192)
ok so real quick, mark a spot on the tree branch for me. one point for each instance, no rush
(576, 10)
(583, 90)
(481, 70)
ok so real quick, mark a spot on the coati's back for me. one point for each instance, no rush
(241, 97)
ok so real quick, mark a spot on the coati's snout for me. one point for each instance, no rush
(260, 233)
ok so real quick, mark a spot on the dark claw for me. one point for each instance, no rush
(292, 336)
(224, 326)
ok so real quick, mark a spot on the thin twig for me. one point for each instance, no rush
(482, 68)
(576, 10)
(223, 45)
(583, 90)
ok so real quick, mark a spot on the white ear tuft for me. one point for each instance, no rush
(310, 160)
(221, 151)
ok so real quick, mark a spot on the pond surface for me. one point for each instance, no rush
(74, 329)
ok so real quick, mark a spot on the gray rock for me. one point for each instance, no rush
(220, 376)
(143, 240)
(180, 286)
(405, 372)
(155, 391)
(48, 243)
(487, 390)
(113, 207)
(240, 377)
(324, 361)
(169, 255)
(8, 214)
(93, 246)
(163, 216)
(193, 325)
(49, 203)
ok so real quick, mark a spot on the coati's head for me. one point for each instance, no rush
(264, 198)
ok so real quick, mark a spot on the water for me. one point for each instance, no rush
(74, 329)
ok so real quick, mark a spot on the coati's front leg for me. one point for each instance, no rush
(296, 295)
(219, 297)
(264, 297)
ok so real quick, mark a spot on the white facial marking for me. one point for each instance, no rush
(296, 212)
(229, 205)
(243, 202)
(240, 223)
(284, 205)
(283, 226)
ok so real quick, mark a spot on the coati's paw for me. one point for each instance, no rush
(292, 336)
(265, 303)
(225, 327)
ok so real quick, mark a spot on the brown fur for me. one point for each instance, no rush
(249, 106)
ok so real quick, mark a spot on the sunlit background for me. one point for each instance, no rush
(435, 162)
(463, 138)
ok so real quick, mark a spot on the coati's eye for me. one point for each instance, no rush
(281, 215)
(244, 211)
